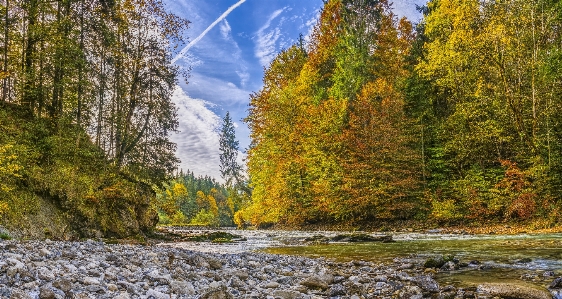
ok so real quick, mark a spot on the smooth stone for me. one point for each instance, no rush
(271, 285)
(410, 292)
(427, 283)
(217, 293)
(337, 290)
(314, 282)
(19, 294)
(44, 252)
(518, 291)
(123, 295)
(112, 287)
(45, 274)
(556, 283)
(46, 293)
(156, 294)
(286, 294)
(63, 284)
(91, 281)
(241, 274)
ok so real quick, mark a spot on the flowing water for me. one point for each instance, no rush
(502, 258)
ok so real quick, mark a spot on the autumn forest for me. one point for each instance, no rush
(454, 120)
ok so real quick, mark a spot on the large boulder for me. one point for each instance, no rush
(514, 291)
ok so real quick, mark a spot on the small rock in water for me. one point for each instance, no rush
(556, 283)
(524, 260)
(449, 266)
(427, 284)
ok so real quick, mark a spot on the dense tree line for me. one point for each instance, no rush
(375, 119)
(202, 200)
(103, 66)
(188, 199)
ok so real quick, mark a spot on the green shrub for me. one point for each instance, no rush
(179, 219)
(205, 218)
(5, 236)
(163, 219)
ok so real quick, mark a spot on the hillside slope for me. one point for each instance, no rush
(55, 183)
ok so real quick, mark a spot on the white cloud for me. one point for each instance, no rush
(266, 48)
(217, 90)
(243, 75)
(198, 139)
(198, 142)
(225, 29)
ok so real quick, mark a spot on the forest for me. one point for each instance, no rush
(453, 120)
(371, 119)
(86, 112)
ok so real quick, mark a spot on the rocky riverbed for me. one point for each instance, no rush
(93, 269)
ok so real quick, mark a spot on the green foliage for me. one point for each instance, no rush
(187, 198)
(458, 122)
(330, 139)
(94, 195)
(488, 107)
(5, 236)
(228, 146)
(205, 218)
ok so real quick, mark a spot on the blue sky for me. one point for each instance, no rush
(227, 63)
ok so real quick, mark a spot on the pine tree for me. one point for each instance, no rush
(230, 170)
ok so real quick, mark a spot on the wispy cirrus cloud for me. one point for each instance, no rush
(225, 30)
(219, 90)
(266, 39)
(200, 36)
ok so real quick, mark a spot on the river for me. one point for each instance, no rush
(533, 258)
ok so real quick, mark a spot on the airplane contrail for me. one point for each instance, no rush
(198, 38)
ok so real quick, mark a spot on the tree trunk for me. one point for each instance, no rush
(28, 98)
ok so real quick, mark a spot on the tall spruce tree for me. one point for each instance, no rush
(229, 167)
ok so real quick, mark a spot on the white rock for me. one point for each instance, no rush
(157, 295)
(112, 287)
(123, 295)
(91, 281)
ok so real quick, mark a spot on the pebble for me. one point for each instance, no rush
(94, 269)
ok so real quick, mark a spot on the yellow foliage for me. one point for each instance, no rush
(445, 210)
(179, 190)
(3, 207)
(239, 219)
(178, 218)
(213, 208)
(9, 168)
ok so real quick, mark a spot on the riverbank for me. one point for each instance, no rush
(93, 269)
(48, 269)
(408, 226)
